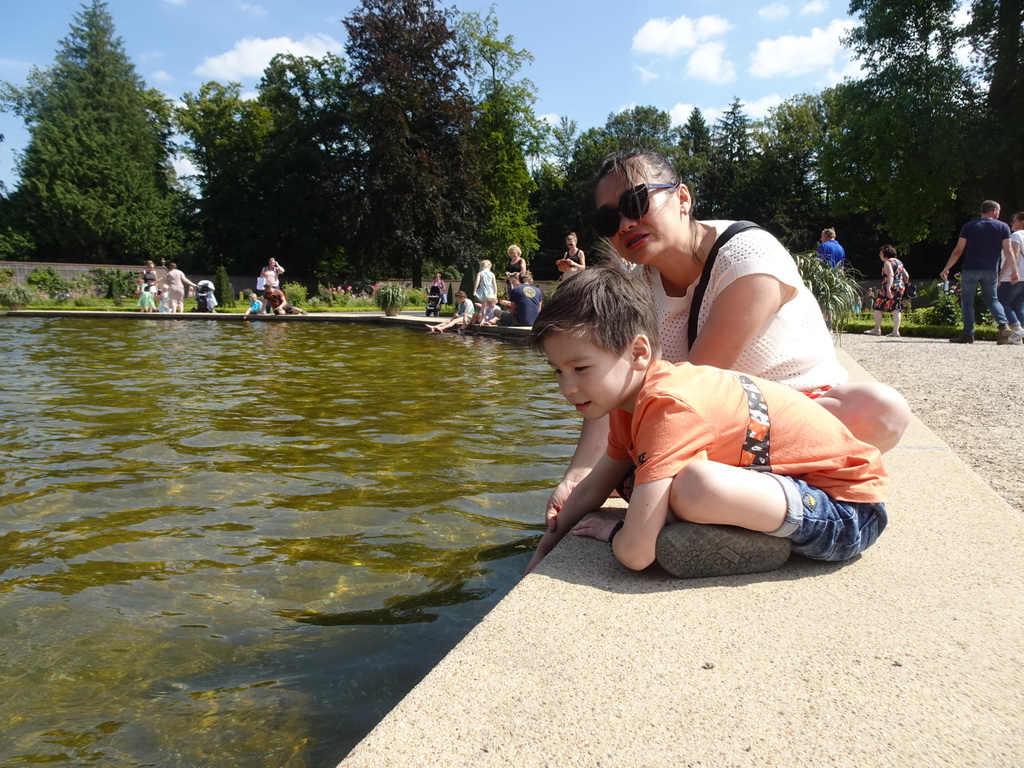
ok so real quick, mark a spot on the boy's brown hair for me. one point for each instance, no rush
(602, 305)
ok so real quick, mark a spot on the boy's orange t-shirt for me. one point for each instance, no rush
(685, 409)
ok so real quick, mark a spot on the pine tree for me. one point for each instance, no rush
(96, 183)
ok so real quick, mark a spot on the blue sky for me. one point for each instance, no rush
(592, 57)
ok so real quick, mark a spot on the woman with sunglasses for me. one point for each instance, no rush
(756, 316)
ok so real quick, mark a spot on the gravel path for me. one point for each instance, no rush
(970, 395)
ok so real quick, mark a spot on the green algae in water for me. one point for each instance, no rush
(241, 544)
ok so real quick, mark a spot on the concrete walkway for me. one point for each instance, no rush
(910, 655)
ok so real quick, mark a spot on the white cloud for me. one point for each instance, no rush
(551, 118)
(670, 38)
(250, 56)
(774, 11)
(814, 7)
(709, 63)
(162, 76)
(256, 11)
(758, 109)
(646, 75)
(680, 113)
(791, 55)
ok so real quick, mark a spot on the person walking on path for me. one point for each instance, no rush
(981, 242)
(830, 251)
(1011, 295)
(890, 295)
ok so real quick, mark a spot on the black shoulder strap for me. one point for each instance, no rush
(705, 275)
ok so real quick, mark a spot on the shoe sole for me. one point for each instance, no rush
(693, 551)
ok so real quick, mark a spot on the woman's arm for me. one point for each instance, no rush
(583, 259)
(740, 313)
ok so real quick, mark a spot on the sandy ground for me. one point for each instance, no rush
(972, 395)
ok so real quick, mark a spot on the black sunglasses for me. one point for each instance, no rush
(634, 204)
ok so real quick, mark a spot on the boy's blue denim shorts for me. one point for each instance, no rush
(821, 527)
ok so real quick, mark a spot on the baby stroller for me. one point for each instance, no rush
(205, 298)
(434, 301)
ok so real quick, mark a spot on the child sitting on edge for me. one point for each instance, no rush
(489, 312)
(464, 311)
(753, 468)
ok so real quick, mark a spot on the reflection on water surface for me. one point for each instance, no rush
(241, 544)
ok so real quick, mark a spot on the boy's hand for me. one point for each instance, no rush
(558, 498)
(596, 528)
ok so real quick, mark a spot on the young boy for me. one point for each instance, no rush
(464, 311)
(697, 435)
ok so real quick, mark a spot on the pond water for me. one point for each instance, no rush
(241, 545)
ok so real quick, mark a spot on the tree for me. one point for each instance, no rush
(895, 146)
(996, 31)
(96, 181)
(791, 199)
(694, 155)
(420, 198)
(226, 135)
(307, 171)
(727, 179)
(505, 133)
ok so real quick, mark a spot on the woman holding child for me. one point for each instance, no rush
(756, 316)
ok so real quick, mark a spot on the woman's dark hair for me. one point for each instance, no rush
(637, 165)
(602, 305)
(889, 251)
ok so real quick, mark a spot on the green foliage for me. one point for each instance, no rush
(836, 290)
(16, 295)
(389, 295)
(225, 137)
(790, 198)
(897, 145)
(415, 116)
(296, 292)
(116, 284)
(96, 179)
(222, 288)
(505, 132)
(729, 190)
(14, 245)
(414, 297)
(6, 275)
(47, 281)
(307, 174)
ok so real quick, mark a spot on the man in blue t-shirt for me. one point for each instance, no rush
(525, 302)
(830, 251)
(981, 243)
